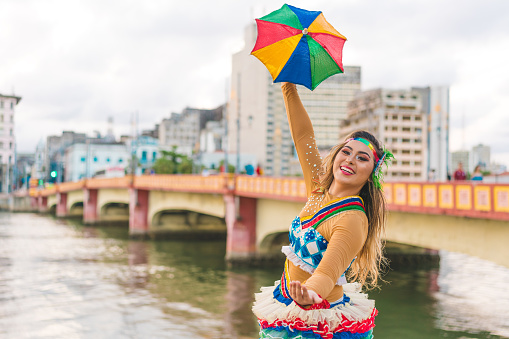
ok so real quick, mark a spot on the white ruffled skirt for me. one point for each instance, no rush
(280, 317)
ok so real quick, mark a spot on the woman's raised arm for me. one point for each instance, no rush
(302, 134)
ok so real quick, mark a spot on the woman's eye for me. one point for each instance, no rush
(362, 158)
(345, 152)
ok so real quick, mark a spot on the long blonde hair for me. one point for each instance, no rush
(370, 261)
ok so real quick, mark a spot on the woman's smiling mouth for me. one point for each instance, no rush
(347, 170)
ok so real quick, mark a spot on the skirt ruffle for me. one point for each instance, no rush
(352, 319)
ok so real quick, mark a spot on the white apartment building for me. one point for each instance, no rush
(397, 119)
(257, 122)
(83, 160)
(7, 140)
(212, 137)
(436, 105)
(481, 155)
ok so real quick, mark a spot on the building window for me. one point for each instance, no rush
(95, 159)
(405, 163)
(1, 104)
(144, 156)
(154, 155)
(107, 159)
(406, 118)
(417, 118)
(10, 145)
(120, 160)
(406, 129)
(12, 118)
(417, 163)
(10, 132)
(1, 145)
(1, 118)
(83, 159)
(417, 151)
(12, 105)
(405, 140)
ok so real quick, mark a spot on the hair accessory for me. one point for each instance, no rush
(378, 176)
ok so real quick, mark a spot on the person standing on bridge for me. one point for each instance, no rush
(338, 233)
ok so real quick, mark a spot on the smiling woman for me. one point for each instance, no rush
(336, 235)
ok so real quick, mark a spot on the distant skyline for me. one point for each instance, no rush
(76, 63)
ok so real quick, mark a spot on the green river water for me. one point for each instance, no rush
(60, 279)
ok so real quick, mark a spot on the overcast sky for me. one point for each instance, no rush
(76, 63)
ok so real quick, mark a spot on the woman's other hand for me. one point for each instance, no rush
(302, 296)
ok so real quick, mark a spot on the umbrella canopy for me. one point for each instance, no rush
(298, 46)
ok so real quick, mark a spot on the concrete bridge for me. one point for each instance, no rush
(254, 213)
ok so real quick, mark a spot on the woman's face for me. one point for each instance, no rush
(353, 164)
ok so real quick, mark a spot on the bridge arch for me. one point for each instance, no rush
(114, 211)
(270, 246)
(186, 223)
(113, 205)
(208, 204)
(76, 209)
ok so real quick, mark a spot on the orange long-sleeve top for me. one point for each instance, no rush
(346, 232)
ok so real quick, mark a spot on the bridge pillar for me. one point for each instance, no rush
(138, 212)
(34, 203)
(90, 206)
(43, 204)
(241, 228)
(61, 204)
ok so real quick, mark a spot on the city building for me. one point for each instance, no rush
(146, 151)
(55, 152)
(436, 106)
(38, 170)
(154, 133)
(183, 129)
(398, 120)
(89, 159)
(212, 137)
(22, 170)
(257, 122)
(7, 141)
(481, 155)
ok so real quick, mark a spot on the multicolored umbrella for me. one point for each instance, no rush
(298, 46)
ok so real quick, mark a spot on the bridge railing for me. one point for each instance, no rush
(461, 198)
(185, 183)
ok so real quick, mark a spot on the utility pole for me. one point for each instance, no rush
(237, 168)
(225, 121)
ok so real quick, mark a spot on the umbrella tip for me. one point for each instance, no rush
(305, 31)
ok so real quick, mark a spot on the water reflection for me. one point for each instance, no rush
(63, 280)
(472, 296)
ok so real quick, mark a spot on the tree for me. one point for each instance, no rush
(172, 162)
(231, 168)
